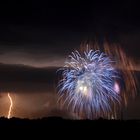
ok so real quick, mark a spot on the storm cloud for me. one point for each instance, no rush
(22, 79)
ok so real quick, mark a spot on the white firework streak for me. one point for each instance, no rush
(88, 83)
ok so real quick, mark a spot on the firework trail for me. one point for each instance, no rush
(91, 82)
(126, 66)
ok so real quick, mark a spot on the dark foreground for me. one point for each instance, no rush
(55, 127)
(58, 122)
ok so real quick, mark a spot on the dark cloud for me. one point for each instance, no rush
(22, 79)
(57, 28)
(38, 46)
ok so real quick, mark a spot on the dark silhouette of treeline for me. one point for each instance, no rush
(58, 122)
(55, 127)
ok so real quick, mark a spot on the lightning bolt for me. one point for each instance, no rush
(10, 107)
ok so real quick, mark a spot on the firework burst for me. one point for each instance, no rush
(90, 86)
(97, 84)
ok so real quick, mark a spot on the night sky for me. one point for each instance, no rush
(37, 36)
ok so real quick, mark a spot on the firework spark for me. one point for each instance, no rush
(10, 107)
(88, 81)
(92, 82)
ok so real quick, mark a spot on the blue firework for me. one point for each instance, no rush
(89, 84)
